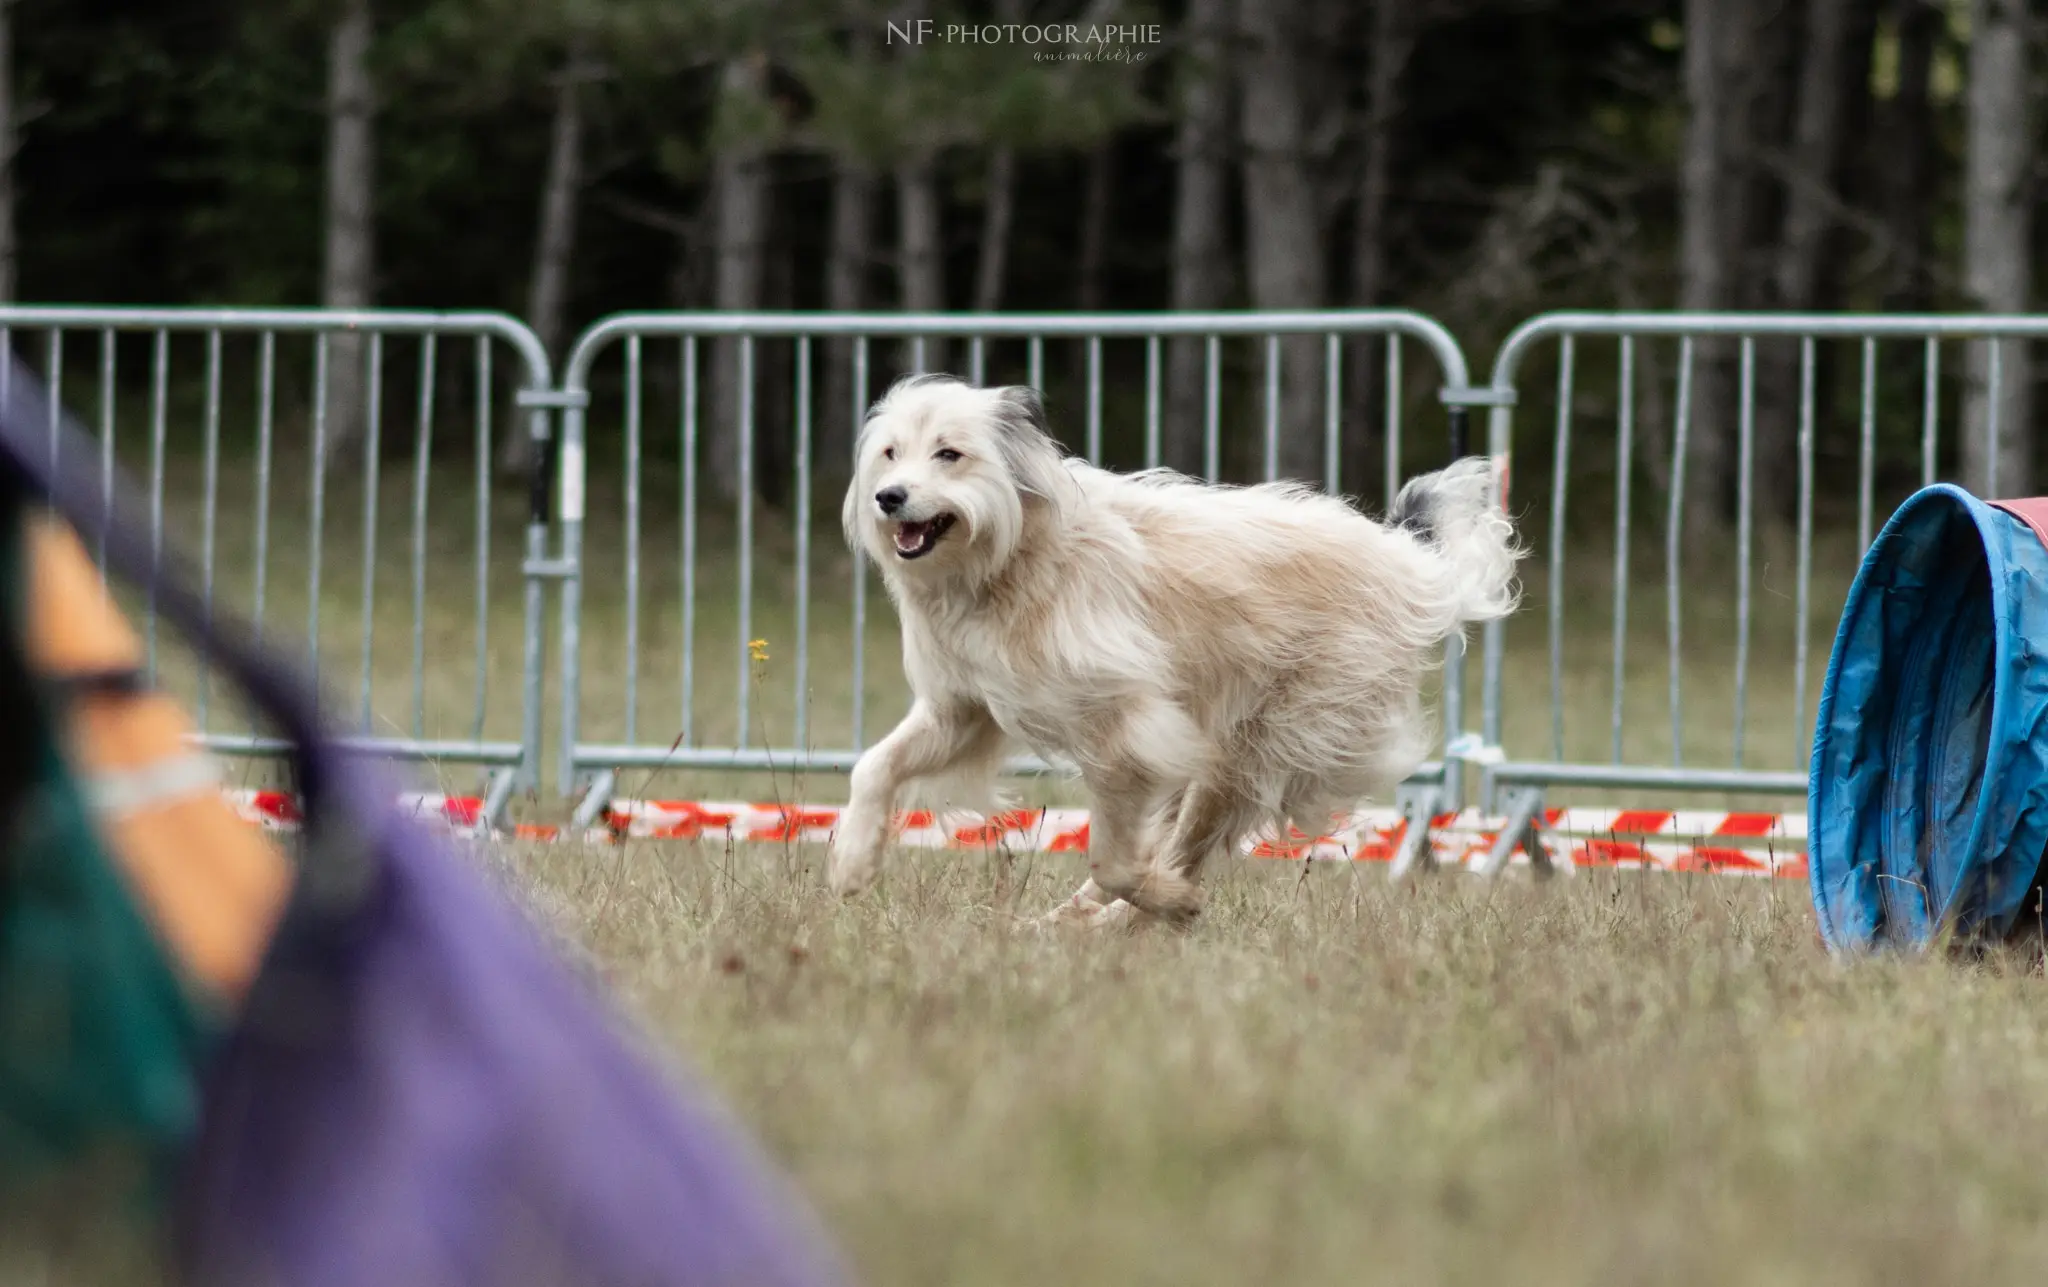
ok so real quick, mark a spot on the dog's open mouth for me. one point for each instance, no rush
(915, 540)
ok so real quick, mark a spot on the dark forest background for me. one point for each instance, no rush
(1477, 159)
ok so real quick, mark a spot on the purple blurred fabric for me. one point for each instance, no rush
(419, 1093)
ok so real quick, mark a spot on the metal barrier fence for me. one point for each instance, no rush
(696, 398)
(1297, 362)
(256, 389)
(1803, 344)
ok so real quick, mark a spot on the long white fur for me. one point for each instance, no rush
(1211, 659)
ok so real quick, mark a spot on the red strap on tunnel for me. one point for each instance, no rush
(2032, 511)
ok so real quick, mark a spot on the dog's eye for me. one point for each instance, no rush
(946, 454)
(888, 453)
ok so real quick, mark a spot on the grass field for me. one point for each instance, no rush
(1336, 1080)
(1614, 1078)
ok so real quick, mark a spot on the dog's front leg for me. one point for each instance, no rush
(933, 738)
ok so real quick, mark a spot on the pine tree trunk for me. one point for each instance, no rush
(846, 272)
(1283, 228)
(349, 277)
(1201, 262)
(999, 208)
(1393, 40)
(1998, 263)
(920, 258)
(775, 381)
(1096, 199)
(548, 295)
(997, 211)
(1708, 230)
(739, 198)
(1811, 186)
(1908, 153)
(10, 146)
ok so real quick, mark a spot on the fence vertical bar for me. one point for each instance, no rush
(746, 523)
(860, 566)
(1095, 400)
(1802, 593)
(1866, 448)
(1930, 408)
(1561, 455)
(159, 411)
(1393, 420)
(689, 538)
(1035, 361)
(1673, 528)
(1996, 378)
(266, 427)
(1500, 439)
(481, 697)
(322, 361)
(423, 448)
(917, 356)
(209, 522)
(1333, 410)
(977, 361)
(556, 466)
(1744, 525)
(107, 398)
(632, 480)
(373, 423)
(1272, 440)
(53, 377)
(1152, 402)
(803, 539)
(1212, 408)
(1624, 470)
(571, 506)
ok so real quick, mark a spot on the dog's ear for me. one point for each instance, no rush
(1021, 408)
(1029, 450)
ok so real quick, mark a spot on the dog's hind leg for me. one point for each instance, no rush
(1084, 904)
(931, 740)
(1122, 848)
(1211, 818)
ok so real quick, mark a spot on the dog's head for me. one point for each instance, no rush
(946, 475)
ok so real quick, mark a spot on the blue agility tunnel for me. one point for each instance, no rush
(1928, 800)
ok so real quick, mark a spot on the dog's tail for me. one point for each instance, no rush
(1457, 513)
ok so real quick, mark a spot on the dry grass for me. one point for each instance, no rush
(1332, 1080)
(1337, 1080)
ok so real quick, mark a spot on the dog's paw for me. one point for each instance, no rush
(856, 853)
(853, 869)
(1081, 913)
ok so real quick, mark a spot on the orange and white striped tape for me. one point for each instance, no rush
(1757, 844)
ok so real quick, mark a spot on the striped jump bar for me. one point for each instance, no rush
(1750, 844)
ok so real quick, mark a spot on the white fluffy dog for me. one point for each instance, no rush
(1211, 659)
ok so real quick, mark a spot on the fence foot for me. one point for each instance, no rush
(1544, 861)
(1421, 808)
(497, 796)
(1522, 826)
(592, 806)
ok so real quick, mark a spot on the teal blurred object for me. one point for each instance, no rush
(101, 1044)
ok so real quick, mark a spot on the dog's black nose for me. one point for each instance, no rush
(891, 499)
